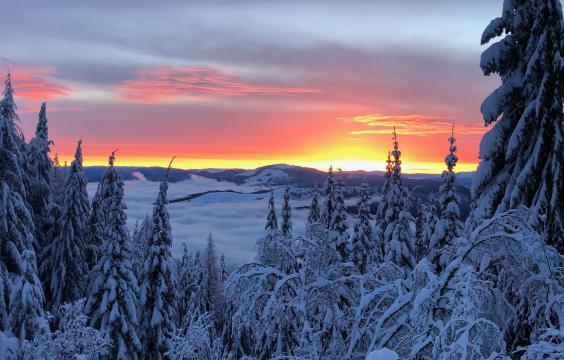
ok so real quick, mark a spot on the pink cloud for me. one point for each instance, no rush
(37, 83)
(413, 124)
(168, 84)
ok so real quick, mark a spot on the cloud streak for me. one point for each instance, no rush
(413, 124)
(170, 84)
(38, 83)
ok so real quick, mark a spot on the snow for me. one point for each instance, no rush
(138, 175)
(382, 354)
(266, 176)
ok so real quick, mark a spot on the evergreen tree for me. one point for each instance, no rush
(17, 258)
(40, 167)
(286, 214)
(98, 216)
(111, 304)
(521, 156)
(431, 219)
(401, 248)
(381, 211)
(329, 205)
(66, 269)
(271, 220)
(8, 110)
(140, 245)
(224, 273)
(449, 225)
(314, 215)
(421, 246)
(394, 194)
(26, 300)
(159, 285)
(183, 275)
(363, 238)
(338, 231)
(212, 281)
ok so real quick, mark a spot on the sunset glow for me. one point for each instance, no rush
(220, 94)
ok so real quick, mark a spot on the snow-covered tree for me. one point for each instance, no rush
(72, 340)
(394, 194)
(521, 155)
(26, 300)
(40, 167)
(65, 270)
(449, 225)
(421, 246)
(401, 248)
(158, 297)
(111, 304)
(196, 342)
(21, 295)
(430, 219)
(329, 204)
(182, 276)
(224, 273)
(271, 220)
(8, 108)
(338, 230)
(139, 247)
(212, 281)
(286, 226)
(363, 244)
(314, 215)
(381, 211)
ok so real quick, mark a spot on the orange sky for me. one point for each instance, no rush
(315, 86)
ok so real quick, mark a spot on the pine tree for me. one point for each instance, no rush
(449, 225)
(140, 245)
(394, 194)
(431, 219)
(40, 166)
(97, 223)
(314, 215)
(271, 220)
(286, 214)
(8, 110)
(17, 258)
(66, 268)
(421, 246)
(363, 239)
(224, 273)
(159, 285)
(401, 248)
(381, 211)
(26, 300)
(212, 281)
(329, 205)
(338, 231)
(111, 304)
(183, 275)
(521, 156)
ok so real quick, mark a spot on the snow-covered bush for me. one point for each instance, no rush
(73, 340)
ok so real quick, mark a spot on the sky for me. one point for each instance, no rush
(249, 83)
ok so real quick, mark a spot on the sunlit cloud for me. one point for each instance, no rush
(37, 83)
(414, 124)
(169, 84)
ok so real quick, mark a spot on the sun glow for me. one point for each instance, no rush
(202, 163)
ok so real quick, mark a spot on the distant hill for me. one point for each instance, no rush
(271, 175)
(420, 185)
